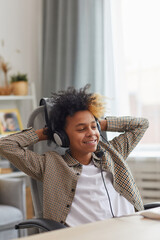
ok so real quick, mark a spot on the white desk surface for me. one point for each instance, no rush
(124, 228)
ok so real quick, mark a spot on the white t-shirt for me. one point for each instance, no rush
(91, 202)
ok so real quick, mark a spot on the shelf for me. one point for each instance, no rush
(13, 97)
(24, 103)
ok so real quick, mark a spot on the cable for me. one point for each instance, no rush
(104, 138)
(106, 189)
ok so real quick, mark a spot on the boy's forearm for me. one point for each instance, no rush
(126, 124)
(103, 124)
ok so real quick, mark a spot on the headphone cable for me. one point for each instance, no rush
(105, 139)
(106, 189)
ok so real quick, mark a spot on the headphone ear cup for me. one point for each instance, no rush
(61, 138)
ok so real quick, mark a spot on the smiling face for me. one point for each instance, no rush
(83, 134)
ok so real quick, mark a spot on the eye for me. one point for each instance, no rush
(81, 129)
(94, 127)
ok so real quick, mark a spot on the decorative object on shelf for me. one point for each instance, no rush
(19, 83)
(5, 170)
(10, 121)
(6, 88)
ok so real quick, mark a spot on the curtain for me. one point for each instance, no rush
(74, 51)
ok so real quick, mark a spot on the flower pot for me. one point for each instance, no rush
(20, 88)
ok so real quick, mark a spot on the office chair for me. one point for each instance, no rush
(37, 120)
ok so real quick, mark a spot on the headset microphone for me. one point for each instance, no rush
(99, 154)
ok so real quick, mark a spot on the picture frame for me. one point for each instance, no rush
(10, 121)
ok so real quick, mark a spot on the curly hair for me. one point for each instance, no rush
(67, 103)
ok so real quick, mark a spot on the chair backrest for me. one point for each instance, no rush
(37, 121)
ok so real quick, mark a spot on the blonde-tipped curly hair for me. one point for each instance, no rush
(68, 102)
(97, 105)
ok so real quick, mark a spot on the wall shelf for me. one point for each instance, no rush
(31, 96)
(13, 97)
(25, 104)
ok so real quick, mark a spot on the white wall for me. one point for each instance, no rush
(21, 31)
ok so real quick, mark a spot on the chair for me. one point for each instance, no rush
(12, 207)
(37, 121)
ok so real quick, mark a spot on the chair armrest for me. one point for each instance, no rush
(41, 223)
(151, 205)
(13, 193)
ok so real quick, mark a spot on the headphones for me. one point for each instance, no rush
(59, 137)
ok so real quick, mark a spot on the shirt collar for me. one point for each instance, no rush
(69, 160)
(72, 162)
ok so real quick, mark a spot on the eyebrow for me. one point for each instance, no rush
(82, 124)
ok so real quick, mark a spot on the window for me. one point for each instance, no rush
(136, 41)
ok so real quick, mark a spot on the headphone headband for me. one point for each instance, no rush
(59, 137)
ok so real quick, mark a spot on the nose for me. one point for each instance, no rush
(90, 132)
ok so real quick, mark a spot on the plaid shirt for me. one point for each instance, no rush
(60, 173)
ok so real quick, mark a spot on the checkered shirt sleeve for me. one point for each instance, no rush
(132, 130)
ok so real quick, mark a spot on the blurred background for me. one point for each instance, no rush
(112, 44)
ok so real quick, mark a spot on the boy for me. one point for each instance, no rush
(91, 181)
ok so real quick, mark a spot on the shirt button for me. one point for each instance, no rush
(78, 174)
(68, 205)
(61, 222)
(72, 190)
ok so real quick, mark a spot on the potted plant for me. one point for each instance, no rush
(19, 84)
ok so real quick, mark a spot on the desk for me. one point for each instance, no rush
(125, 228)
